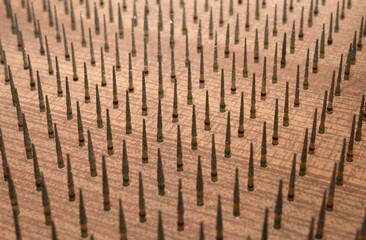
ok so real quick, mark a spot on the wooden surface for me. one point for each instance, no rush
(349, 198)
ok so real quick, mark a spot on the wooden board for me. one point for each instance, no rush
(349, 198)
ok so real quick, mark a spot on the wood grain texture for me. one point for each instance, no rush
(349, 198)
